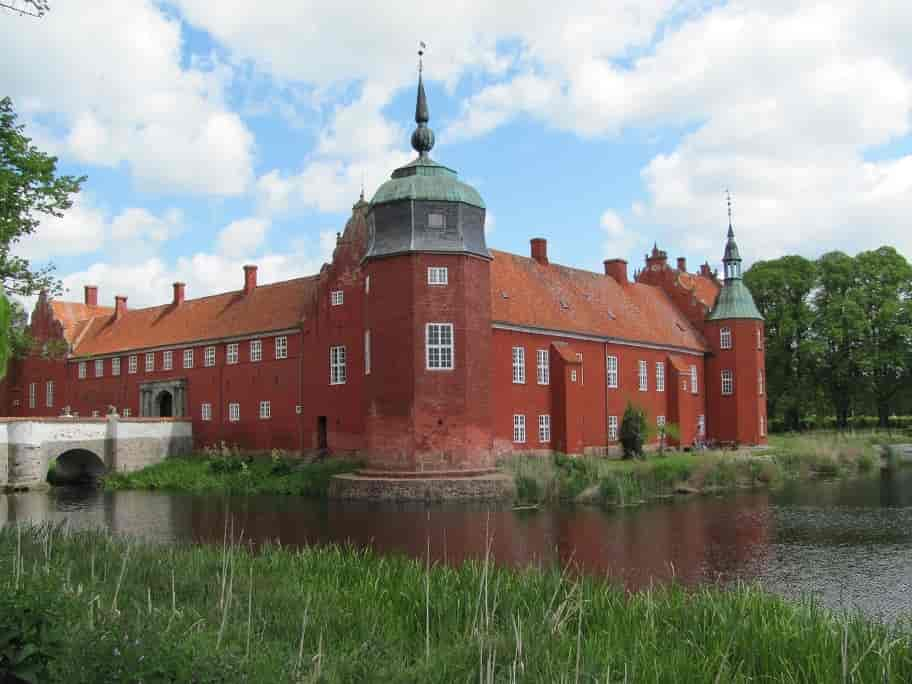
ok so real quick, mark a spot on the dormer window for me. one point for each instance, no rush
(437, 221)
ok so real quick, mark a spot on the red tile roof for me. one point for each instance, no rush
(277, 306)
(705, 289)
(553, 297)
(74, 315)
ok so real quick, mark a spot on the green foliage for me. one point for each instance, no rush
(633, 431)
(29, 189)
(30, 623)
(528, 490)
(135, 612)
(226, 473)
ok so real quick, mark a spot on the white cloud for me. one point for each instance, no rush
(111, 75)
(244, 236)
(620, 242)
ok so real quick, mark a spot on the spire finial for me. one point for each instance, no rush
(423, 137)
(728, 196)
(362, 187)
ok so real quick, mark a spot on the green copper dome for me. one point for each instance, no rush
(425, 179)
(734, 301)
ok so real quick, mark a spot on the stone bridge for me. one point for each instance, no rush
(86, 447)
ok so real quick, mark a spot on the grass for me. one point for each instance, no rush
(88, 607)
(626, 482)
(225, 472)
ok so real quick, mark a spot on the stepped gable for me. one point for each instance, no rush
(525, 292)
(73, 316)
(278, 306)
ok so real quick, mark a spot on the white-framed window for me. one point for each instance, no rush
(167, 360)
(234, 412)
(256, 350)
(701, 425)
(612, 365)
(265, 409)
(337, 372)
(231, 356)
(762, 425)
(519, 428)
(519, 365)
(573, 375)
(544, 429)
(132, 363)
(99, 368)
(437, 221)
(725, 338)
(206, 411)
(367, 284)
(33, 394)
(150, 361)
(760, 382)
(660, 376)
(281, 347)
(542, 367)
(728, 382)
(126, 413)
(367, 352)
(579, 357)
(188, 358)
(82, 369)
(759, 339)
(337, 297)
(438, 275)
(612, 428)
(209, 356)
(115, 366)
(439, 346)
(49, 393)
(95, 413)
(693, 379)
(643, 376)
(660, 421)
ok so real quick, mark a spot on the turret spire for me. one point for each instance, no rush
(423, 137)
(732, 258)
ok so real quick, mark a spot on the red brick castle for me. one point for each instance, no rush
(417, 346)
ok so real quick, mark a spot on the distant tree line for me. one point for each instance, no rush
(838, 336)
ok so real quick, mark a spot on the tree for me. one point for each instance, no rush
(782, 290)
(29, 189)
(633, 431)
(838, 329)
(33, 8)
(884, 288)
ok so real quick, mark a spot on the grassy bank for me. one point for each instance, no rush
(85, 607)
(619, 482)
(230, 473)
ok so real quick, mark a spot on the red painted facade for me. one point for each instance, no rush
(393, 409)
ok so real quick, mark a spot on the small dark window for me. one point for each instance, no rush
(437, 221)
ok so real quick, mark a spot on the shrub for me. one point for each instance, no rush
(528, 490)
(29, 622)
(633, 431)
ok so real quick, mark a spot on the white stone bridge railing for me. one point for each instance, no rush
(86, 446)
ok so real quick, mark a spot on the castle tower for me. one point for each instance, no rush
(427, 317)
(736, 368)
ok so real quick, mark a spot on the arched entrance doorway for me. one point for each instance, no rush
(164, 404)
(77, 466)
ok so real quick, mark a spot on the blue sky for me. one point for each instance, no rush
(219, 134)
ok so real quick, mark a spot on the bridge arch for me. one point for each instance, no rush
(78, 465)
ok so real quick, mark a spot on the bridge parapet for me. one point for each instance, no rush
(29, 445)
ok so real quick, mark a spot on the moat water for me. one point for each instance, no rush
(848, 543)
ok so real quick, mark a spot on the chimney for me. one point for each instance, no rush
(120, 306)
(617, 269)
(682, 264)
(178, 293)
(91, 295)
(540, 250)
(250, 283)
(704, 270)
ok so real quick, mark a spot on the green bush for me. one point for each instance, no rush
(633, 431)
(29, 634)
(528, 490)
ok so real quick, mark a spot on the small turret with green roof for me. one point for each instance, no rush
(424, 207)
(734, 300)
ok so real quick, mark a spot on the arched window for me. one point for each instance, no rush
(725, 338)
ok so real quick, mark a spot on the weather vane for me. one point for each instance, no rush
(421, 48)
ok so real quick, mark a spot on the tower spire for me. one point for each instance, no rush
(728, 196)
(422, 137)
(732, 258)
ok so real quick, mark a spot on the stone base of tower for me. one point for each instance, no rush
(466, 485)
